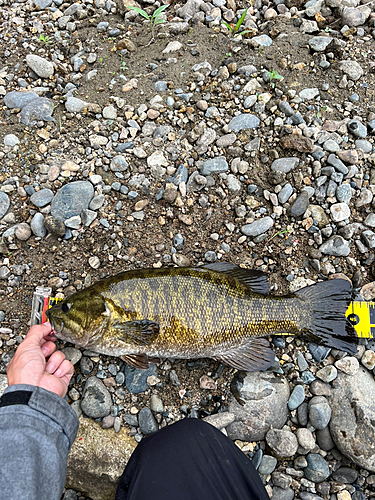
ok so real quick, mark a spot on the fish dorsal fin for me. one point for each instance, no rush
(255, 280)
(136, 360)
(255, 356)
(140, 332)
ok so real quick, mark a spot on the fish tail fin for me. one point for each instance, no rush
(328, 302)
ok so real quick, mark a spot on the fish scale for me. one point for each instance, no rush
(220, 311)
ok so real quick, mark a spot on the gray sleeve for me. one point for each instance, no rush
(35, 442)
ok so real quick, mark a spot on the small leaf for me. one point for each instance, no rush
(140, 11)
(158, 11)
(244, 32)
(228, 26)
(240, 21)
(159, 21)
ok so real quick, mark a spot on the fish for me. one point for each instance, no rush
(219, 311)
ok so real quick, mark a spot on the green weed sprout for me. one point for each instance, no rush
(274, 75)
(233, 31)
(154, 19)
(44, 39)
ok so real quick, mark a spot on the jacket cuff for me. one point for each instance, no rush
(51, 405)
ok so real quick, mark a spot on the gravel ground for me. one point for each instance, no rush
(121, 151)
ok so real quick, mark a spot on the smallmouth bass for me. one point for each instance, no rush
(218, 311)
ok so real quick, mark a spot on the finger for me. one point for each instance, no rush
(48, 348)
(55, 361)
(66, 369)
(37, 333)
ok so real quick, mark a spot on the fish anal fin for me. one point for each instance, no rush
(140, 332)
(255, 280)
(136, 360)
(257, 355)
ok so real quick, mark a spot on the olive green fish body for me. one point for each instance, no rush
(219, 311)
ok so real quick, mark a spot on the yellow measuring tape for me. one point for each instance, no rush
(362, 316)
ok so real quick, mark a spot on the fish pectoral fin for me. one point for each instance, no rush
(136, 360)
(255, 280)
(255, 356)
(140, 332)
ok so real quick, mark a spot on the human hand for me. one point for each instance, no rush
(36, 362)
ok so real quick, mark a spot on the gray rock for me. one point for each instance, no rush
(297, 397)
(41, 198)
(305, 439)
(352, 69)
(345, 475)
(300, 205)
(119, 164)
(3, 383)
(353, 17)
(147, 422)
(54, 226)
(337, 163)
(353, 411)
(37, 225)
(214, 166)
(259, 226)
(181, 175)
(336, 246)
(97, 202)
(75, 105)
(74, 222)
(11, 140)
(261, 41)
(71, 199)
(366, 146)
(309, 94)
(36, 110)
(319, 412)
(96, 401)
(250, 101)
(4, 204)
(357, 128)
(324, 439)
(282, 442)
(339, 212)
(72, 354)
(40, 66)
(156, 404)
(22, 231)
(220, 420)
(282, 493)
(243, 122)
(267, 465)
(368, 238)
(319, 43)
(234, 185)
(136, 379)
(19, 100)
(42, 4)
(284, 165)
(160, 86)
(327, 374)
(265, 397)
(285, 194)
(344, 193)
(286, 108)
(317, 469)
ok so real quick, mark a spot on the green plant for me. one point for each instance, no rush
(233, 30)
(154, 19)
(274, 75)
(45, 39)
(321, 111)
(281, 232)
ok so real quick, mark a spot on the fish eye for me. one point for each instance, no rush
(65, 308)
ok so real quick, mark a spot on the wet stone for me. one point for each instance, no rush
(317, 469)
(41, 198)
(357, 128)
(267, 465)
(72, 354)
(96, 401)
(284, 165)
(147, 422)
(4, 204)
(345, 475)
(37, 225)
(71, 199)
(327, 374)
(257, 227)
(283, 443)
(136, 379)
(324, 439)
(336, 246)
(214, 166)
(300, 205)
(243, 122)
(37, 109)
(319, 412)
(297, 397)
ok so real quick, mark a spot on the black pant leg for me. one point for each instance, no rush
(186, 461)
